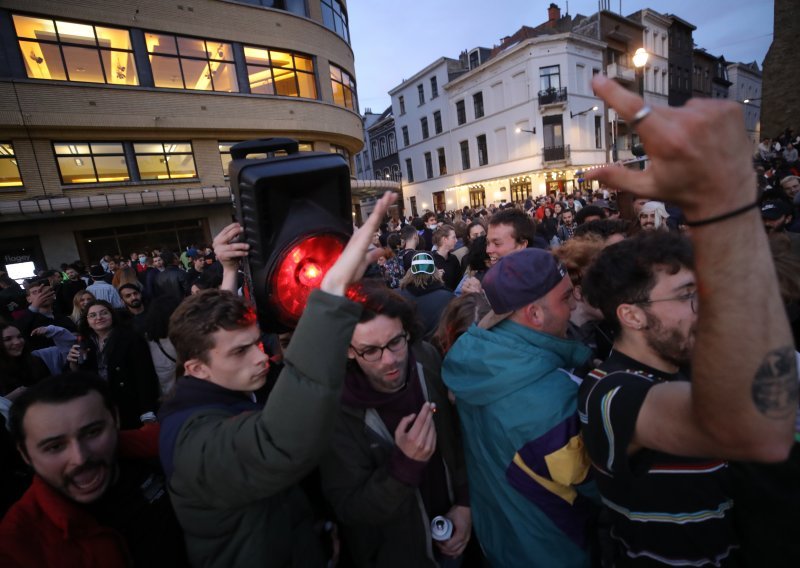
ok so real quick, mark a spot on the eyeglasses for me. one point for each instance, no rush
(374, 353)
(690, 297)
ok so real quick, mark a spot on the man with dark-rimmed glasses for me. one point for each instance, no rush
(661, 507)
(396, 461)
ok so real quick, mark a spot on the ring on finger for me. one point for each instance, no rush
(640, 115)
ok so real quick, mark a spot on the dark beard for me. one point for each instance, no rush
(669, 344)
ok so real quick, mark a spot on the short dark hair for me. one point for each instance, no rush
(521, 222)
(428, 215)
(168, 257)
(604, 228)
(54, 390)
(200, 315)
(408, 232)
(378, 300)
(625, 272)
(589, 211)
(130, 285)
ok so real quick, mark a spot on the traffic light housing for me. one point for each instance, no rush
(295, 208)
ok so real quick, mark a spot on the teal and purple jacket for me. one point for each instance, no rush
(533, 503)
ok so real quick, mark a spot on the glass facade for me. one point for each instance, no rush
(180, 62)
(91, 162)
(59, 50)
(273, 72)
(344, 88)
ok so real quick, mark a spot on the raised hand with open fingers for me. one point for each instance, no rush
(354, 259)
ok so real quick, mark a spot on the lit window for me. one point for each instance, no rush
(9, 171)
(187, 63)
(273, 72)
(334, 17)
(344, 88)
(91, 162)
(167, 160)
(67, 51)
(226, 158)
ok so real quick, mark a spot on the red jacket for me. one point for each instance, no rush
(44, 528)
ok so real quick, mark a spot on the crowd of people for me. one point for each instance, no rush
(546, 383)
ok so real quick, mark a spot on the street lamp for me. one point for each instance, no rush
(640, 57)
(518, 130)
(574, 114)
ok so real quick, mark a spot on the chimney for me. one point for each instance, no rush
(553, 15)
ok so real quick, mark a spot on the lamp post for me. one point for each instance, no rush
(640, 58)
(518, 130)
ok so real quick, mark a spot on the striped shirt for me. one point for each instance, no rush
(660, 509)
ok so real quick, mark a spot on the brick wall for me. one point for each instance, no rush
(780, 104)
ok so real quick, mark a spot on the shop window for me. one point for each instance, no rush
(165, 160)
(272, 72)
(91, 162)
(59, 50)
(9, 169)
(180, 62)
(344, 88)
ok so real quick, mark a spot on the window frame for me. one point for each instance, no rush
(477, 105)
(402, 102)
(461, 112)
(423, 124)
(166, 154)
(421, 93)
(406, 139)
(7, 152)
(339, 21)
(181, 59)
(483, 150)
(91, 159)
(464, 148)
(428, 165)
(346, 88)
(434, 87)
(410, 170)
(437, 122)
(61, 44)
(441, 157)
(549, 78)
(294, 69)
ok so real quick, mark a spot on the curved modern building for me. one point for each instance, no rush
(117, 117)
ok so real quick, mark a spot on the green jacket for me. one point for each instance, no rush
(384, 520)
(233, 469)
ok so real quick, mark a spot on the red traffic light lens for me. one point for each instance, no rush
(302, 269)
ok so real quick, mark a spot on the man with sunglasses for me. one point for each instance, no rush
(396, 461)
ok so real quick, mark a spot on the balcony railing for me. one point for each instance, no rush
(552, 96)
(621, 72)
(556, 153)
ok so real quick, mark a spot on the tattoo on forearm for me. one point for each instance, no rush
(775, 386)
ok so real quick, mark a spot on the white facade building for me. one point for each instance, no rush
(520, 124)
(746, 86)
(655, 40)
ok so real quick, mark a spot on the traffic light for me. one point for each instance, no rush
(296, 212)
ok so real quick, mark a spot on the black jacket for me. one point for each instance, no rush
(172, 282)
(131, 374)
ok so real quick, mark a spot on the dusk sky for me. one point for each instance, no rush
(394, 39)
